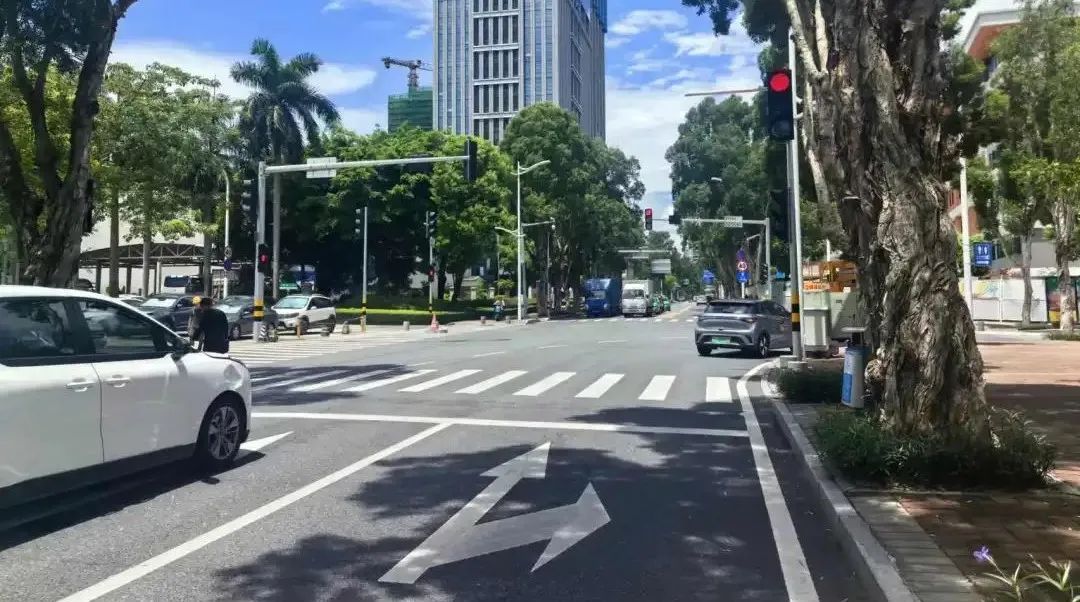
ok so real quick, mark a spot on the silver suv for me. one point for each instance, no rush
(751, 325)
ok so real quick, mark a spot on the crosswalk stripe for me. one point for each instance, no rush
(494, 381)
(658, 320)
(543, 385)
(442, 380)
(301, 379)
(689, 320)
(259, 379)
(600, 387)
(336, 381)
(387, 381)
(658, 388)
(718, 389)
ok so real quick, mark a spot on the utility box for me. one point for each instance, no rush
(851, 392)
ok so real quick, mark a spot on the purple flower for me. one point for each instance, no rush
(983, 554)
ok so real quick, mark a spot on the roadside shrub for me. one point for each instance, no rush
(810, 385)
(864, 449)
(1064, 335)
(397, 316)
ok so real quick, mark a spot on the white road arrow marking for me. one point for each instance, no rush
(461, 537)
(254, 445)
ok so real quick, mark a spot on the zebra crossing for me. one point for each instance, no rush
(259, 354)
(471, 382)
(654, 320)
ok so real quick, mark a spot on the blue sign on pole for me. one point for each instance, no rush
(743, 277)
(982, 254)
(742, 268)
(228, 264)
(707, 277)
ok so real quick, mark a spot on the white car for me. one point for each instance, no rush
(305, 311)
(700, 300)
(91, 388)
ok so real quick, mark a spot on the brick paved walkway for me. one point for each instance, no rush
(1043, 380)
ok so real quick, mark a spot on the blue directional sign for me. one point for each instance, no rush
(742, 267)
(982, 254)
(707, 277)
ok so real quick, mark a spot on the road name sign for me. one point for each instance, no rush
(732, 221)
(324, 173)
(461, 537)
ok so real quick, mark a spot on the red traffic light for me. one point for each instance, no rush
(648, 212)
(780, 81)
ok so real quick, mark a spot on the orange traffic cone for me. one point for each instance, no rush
(434, 323)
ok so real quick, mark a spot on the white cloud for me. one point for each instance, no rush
(419, 31)
(362, 120)
(643, 61)
(332, 78)
(643, 120)
(708, 44)
(638, 21)
(615, 42)
(420, 9)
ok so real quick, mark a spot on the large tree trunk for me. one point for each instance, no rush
(459, 283)
(1025, 273)
(440, 292)
(114, 243)
(874, 125)
(1064, 224)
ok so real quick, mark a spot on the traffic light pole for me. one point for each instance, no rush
(363, 287)
(796, 217)
(431, 267)
(260, 239)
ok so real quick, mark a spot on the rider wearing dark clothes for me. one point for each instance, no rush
(212, 326)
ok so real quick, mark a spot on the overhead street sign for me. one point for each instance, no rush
(661, 266)
(461, 537)
(732, 221)
(327, 173)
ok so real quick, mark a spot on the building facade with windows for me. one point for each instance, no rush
(496, 57)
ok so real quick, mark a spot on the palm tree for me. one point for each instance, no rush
(283, 108)
(279, 114)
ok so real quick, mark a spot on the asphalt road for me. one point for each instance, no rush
(566, 460)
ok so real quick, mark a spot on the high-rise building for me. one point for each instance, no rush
(495, 57)
(413, 107)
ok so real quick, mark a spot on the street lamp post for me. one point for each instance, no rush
(520, 249)
(225, 273)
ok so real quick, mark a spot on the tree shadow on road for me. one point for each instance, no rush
(687, 523)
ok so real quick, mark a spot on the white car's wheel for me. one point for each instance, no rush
(221, 434)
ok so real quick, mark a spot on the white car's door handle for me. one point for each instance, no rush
(117, 381)
(80, 385)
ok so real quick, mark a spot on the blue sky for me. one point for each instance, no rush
(656, 51)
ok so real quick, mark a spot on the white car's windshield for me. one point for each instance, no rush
(292, 303)
(633, 294)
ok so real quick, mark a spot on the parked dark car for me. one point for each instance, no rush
(754, 326)
(171, 309)
(240, 310)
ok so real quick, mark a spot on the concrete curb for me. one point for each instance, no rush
(872, 562)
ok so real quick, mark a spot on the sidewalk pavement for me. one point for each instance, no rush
(931, 535)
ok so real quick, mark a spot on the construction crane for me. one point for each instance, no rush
(412, 66)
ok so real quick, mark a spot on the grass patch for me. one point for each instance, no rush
(1064, 335)
(814, 384)
(864, 449)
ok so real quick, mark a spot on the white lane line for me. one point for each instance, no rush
(494, 381)
(489, 354)
(293, 381)
(420, 364)
(611, 341)
(388, 381)
(797, 579)
(551, 346)
(146, 567)
(259, 379)
(600, 386)
(543, 385)
(570, 426)
(337, 381)
(614, 319)
(688, 320)
(658, 320)
(718, 389)
(442, 380)
(658, 388)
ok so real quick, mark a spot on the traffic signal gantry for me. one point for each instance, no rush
(327, 167)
